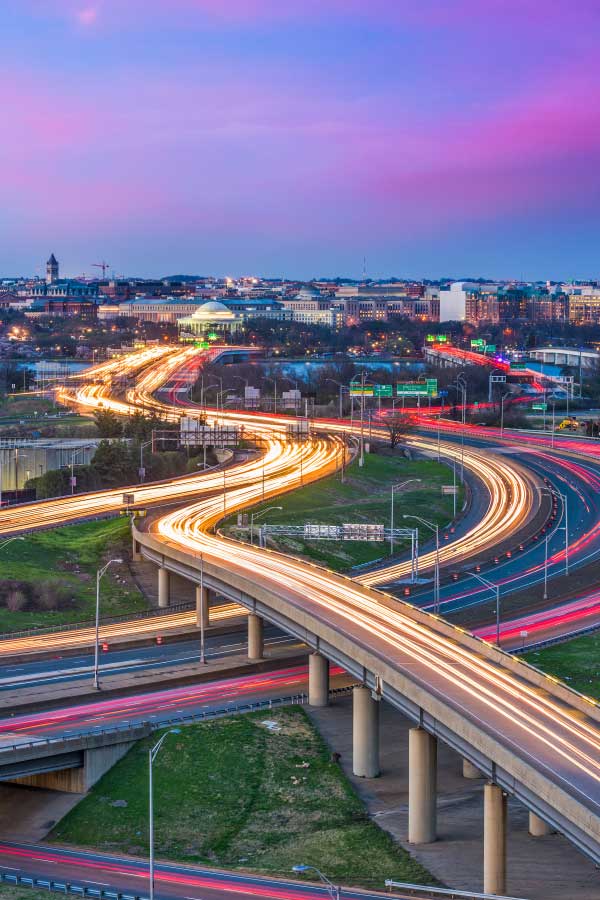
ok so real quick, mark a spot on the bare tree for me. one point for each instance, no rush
(397, 425)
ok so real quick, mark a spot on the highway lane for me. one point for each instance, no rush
(115, 632)
(516, 570)
(173, 881)
(161, 706)
(65, 670)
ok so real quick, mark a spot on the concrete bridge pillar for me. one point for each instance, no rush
(537, 826)
(318, 680)
(494, 840)
(365, 733)
(202, 608)
(422, 787)
(256, 639)
(469, 770)
(164, 587)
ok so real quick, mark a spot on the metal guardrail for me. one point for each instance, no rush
(559, 639)
(432, 893)
(189, 719)
(67, 887)
(109, 620)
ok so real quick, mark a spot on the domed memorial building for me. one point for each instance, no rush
(210, 318)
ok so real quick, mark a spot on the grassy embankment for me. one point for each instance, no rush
(576, 662)
(363, 498)
(70, 556)
(240, 794)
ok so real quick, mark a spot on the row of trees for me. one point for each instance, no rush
(114, 464)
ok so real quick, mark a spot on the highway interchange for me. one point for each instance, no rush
(514, 494)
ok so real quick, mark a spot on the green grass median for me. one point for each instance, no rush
(363, 498)
(256, 792)
(576, 662)
(49, 577)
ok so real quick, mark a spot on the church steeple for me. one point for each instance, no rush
(52, 270)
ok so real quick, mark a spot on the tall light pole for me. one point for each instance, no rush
(257, 515)
(142, 471)
(341, 387)
(496, 589)
(361, 458)
(202, 623)
(274, 382)
(99, 575)
(333, 890)
(564, 500)
(152, 754)
(398, 487)
(436, 573)
(10, 540)
(502, 399)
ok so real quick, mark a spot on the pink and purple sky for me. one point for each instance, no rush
(294, 137)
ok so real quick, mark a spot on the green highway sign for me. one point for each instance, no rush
(427, 388)
(540, 407)
(365, 390)
(490, 348)
(384, 390)
(437, 338)
(518, 366)
(477, 343)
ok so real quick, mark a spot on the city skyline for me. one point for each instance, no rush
(293, 140)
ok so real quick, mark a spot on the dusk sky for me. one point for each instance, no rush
(294, 137)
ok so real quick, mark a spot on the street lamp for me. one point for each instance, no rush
(152, 754)
(342, 388)
(398, 487)
(10, 540)
(361, 458)
(99, 575)
(142, 471)
(496, 589)
(502, 399)
(257, 516)
(436, 576)
(564, 500)
(274, 382)
(333, 890)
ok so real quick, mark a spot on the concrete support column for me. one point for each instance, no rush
(202, 608)
(469, 770)
(365, 733)
(494, 840)
(537, 826)
(163, 587)
(136, 555)
(318, 680)
(256, 640)
(422, 787)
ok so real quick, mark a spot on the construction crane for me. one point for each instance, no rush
(103, 265)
